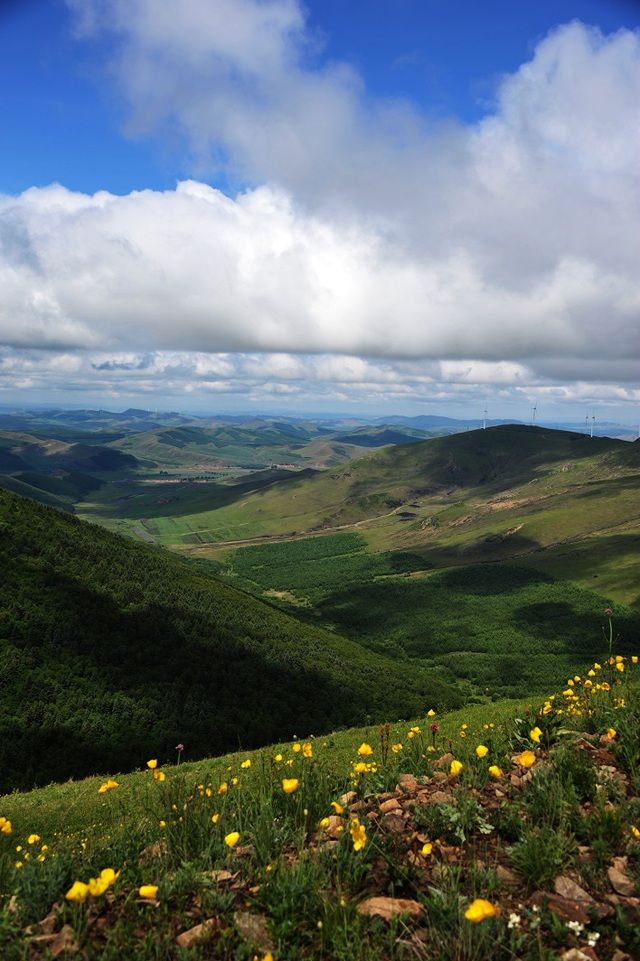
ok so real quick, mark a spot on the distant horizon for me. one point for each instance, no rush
(311, 414)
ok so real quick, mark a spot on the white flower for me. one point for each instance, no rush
(592, 940)
(514, 920)
(575, 926)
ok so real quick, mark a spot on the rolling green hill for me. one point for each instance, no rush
(110, 649)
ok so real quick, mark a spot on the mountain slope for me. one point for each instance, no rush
(103, 641)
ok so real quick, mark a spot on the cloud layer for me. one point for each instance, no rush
(509, 246)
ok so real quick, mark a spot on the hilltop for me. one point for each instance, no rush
(110, 649)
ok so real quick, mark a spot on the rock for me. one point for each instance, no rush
(334, 828)
(506, 876)
(570, 909)
(443, 761)
(220, 877)
(619, 955)
(253, 928)
(575, 954)
(201, 932)
(392, 805)
(396, 823)
(441, 797)
(348, 798)
(620, 882)
(387, 908)
(408, 783)
(567, 888)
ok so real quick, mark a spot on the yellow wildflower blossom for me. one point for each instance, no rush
(365, 749)
(290, 784)
(495, 771)
(455, 768)
(152, 764)
(78, 892)
(535, 734)
(246, 764)
(526, 759)
(231, 839)
(148, 892)
(358, 834)
(482, 750)
(480, 910)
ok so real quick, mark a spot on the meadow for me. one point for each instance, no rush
(494, 832)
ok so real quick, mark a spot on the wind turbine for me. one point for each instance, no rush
(484, 420)
(593, 422)
(534, 410)
(586, 423)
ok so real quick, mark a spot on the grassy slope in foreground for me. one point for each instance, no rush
(269, 867)
(109, 649)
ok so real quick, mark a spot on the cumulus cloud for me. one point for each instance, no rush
(504, 252)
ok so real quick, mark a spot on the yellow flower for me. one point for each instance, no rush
(358, 834)
(224, 787)
(337, 807)
(33, 839)
(307, 750)
(526, 759)
(215, 818)
(148, 891)
(495, 771)
(246, 764)
(324, 823)
(290, 784)
(78, 892)
(234, 781)
(597, 667)
(278, 758)
(431, 712)
(5, 825)
(365, 749)
(535, 734)
(296, 748)
(410, 734)
(45, 847)
(396, 748)
(611, 733)
(456, 768)
(159, 776)
(634, 658)
(152, 764)
(636, 832)
(231, 839)
(19, 865)
(547, 708)
(109, 785)
(619, 666)
(426, 849)
(482, 750)
(99, 885)
(360, 767)
(479, 910)
(163, 824)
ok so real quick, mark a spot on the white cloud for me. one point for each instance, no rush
(507, 252)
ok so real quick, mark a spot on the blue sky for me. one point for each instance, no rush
(62, 123)
(409, 112)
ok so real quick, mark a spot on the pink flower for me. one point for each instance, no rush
(179, 747)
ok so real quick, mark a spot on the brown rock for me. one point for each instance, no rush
(619, 955)
(395, 822)
(348, 798)
(201, 932)
(567, 888)
(253, 928)
(575, 954)
(620, 882)
(392, 805)
(441, 797)
(407, 783)
(506, 876)
(334, 828)
(220, 877)
(388, 908)
(572, 910)
(443, 761)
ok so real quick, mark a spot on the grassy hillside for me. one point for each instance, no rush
(109, 649)
(497, 832)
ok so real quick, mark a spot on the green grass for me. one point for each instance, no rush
(283, 891)
(104, 641)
